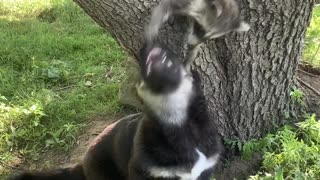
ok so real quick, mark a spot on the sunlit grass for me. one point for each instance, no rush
(25, 8)
(312, 50)
(53, 65)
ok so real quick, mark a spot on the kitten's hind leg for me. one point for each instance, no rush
(193, 45)
(191, 55)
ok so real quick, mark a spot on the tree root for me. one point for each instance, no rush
(308, 86)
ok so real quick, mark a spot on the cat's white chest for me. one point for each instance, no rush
(202, 164)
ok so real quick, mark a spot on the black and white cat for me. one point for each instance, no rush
(173, 139)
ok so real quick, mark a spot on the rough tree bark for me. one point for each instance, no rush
(247, 77)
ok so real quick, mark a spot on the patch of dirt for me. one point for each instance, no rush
(55, 159)
(97, 125)
(238, 168)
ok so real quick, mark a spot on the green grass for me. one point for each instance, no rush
(57, 68)
(290, 153)
(312, 49)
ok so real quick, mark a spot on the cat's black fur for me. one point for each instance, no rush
(142, 141)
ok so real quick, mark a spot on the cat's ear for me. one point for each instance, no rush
(218, 7)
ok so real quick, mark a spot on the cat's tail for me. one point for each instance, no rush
(71, 173)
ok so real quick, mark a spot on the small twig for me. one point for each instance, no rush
(309, 86)
(66, 87)
(315, 54)
(309, 74)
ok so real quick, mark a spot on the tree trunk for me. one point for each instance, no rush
(247, 77)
